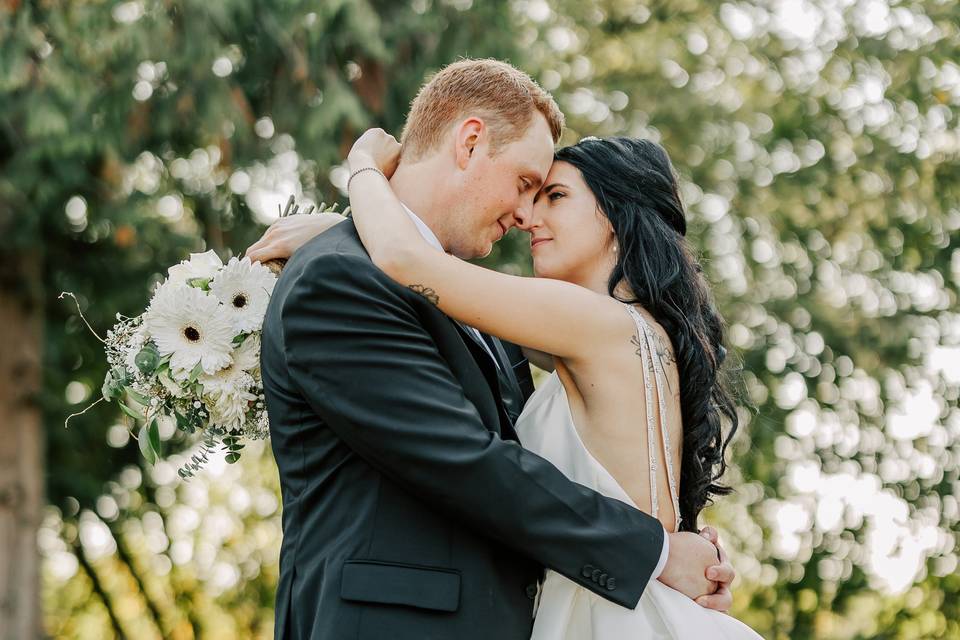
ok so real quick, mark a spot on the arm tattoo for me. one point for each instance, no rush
(427, 293)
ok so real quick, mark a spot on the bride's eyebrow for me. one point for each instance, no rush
(547, 189)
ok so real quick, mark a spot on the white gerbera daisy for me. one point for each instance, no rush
(190, 326)
(244, 288)
(200, 265)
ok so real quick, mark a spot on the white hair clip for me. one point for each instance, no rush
(588, 138)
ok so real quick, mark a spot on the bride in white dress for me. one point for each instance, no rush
(629, 410)
(567, 610)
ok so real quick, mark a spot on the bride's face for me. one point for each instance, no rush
(570, 238)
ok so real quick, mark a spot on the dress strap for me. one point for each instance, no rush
(645, 349)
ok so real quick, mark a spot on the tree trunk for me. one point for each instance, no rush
(21, 447)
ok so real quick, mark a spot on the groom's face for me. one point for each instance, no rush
(496, 190)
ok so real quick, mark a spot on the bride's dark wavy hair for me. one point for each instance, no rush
(636, 190)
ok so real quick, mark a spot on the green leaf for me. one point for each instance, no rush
(148, 359)
(197, 370)
(136, 415)
(143, 441)
(109, 390)
(185, 423)
(153, 430)
(239, 339)
(139, 397)
(232, 457)
(199, 283)
(113, 384)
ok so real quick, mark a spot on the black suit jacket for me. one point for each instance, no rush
(409, 508)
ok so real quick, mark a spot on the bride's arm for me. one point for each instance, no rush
(539, 359)
(553, 316)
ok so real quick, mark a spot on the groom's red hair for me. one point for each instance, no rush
(505, 97)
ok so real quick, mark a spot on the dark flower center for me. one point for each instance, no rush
(191, 334)
(240, 301)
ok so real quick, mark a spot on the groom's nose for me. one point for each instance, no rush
(523, 216)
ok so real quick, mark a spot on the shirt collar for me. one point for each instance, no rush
(424, 230)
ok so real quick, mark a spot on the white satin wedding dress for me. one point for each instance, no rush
(567, 611)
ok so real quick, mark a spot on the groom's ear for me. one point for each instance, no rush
(470, 134)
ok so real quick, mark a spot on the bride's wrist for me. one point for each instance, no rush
(361, 170)
(360, 160)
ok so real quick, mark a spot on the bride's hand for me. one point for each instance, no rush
(288, 234)
(689, 558)
(375, 148)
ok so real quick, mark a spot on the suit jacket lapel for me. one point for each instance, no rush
(491, 373)
(473, 336)
(505, 365)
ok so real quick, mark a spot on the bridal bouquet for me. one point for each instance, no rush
(193, 356)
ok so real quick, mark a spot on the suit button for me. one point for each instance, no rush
(611, 584)
(532, 591)
(587, 571)
(603, 580)
(595, 575)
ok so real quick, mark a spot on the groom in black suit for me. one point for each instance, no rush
(409, 508)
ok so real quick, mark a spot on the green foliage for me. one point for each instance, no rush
(815, 141)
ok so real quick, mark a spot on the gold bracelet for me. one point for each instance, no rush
(361, 170)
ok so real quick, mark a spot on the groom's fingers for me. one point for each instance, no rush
(710, 534)
(721, 600)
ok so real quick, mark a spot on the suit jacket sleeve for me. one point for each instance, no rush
(356, 349)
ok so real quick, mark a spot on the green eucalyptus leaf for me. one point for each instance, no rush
(139, 397)
(143, 442)
(136, 415)
(148, 359)
(112, 388)
(153, 430)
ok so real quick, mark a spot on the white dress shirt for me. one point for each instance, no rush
(433, 241)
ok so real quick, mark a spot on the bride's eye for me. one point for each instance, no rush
(556, 195)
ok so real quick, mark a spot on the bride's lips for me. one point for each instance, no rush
(503, 230)
(538, 241)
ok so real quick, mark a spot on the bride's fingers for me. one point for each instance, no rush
(721, 600)
(722, 573)
(262, 250)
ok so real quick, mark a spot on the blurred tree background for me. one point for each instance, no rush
(818, 147)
